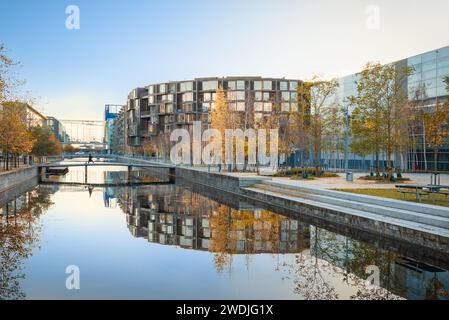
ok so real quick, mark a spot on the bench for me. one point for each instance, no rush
(418, 190)
(439, 189)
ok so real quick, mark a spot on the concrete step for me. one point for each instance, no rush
(424, 218)
(391, 203)
(376, 217)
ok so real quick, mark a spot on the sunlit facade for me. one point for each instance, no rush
(154, 111)
(425, 87)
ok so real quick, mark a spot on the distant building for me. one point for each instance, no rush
(57, 129)
(110, 115)
(34, 117)
(117, 139)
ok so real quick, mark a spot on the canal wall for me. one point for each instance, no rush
(381, 225)
(11, 179)
(240, 187)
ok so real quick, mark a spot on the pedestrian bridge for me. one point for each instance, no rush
(86, 155)
(44, 167)
(103, 164)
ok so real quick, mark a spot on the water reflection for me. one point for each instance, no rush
(20, 229)
(232, 249)
(100, 175)
(326, 263)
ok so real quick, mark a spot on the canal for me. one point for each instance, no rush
(173, 241)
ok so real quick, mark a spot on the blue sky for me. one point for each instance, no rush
(124, 44)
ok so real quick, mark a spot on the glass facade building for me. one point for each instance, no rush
(425, 88)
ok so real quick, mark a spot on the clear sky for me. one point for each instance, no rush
(124, 44)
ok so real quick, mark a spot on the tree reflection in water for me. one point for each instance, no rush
(19, 233)
(326, 265)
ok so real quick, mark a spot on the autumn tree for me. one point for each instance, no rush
(379, 121)
(334, 130)
(68, 148)
(436, 129)
(7, 79)
(300, 116)
(15, 138)
(319, 93)
(46, 143)
(222, 118)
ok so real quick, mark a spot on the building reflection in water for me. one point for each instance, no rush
(321, 264)
(324, 260)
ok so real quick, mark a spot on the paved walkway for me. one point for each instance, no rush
(341, 183)
(331, 183)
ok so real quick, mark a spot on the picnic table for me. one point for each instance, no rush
(420, 190)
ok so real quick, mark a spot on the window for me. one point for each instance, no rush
(266, 96)
(151, 89)
(258, 106)
(209, 96)
(257, 85)
(258, 96)
(294, 96)
(429, 56)
(268, 85)
(414, 60)
(443, 62)
(210, 85)
(293, 85)
(429, 74)
(240, 85)
(285, 107)
(205, 107)
(285, 96)
(188, 107)
(232, 85)
(443, 52)
(162, 88)
(188, 96)
(240, 106)
(236, 95)
(441, 91)
(283, 85)
(186, 86)
(443, 71)
(169, 108)
(267, 106)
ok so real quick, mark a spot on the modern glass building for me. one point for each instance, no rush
(425, 87)
(57, 129)
(110, 115)
(154, 111)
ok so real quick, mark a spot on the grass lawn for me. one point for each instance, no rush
(440, 200)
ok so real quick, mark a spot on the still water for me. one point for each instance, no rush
(165, 241)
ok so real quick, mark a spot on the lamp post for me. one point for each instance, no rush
(347, 123)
